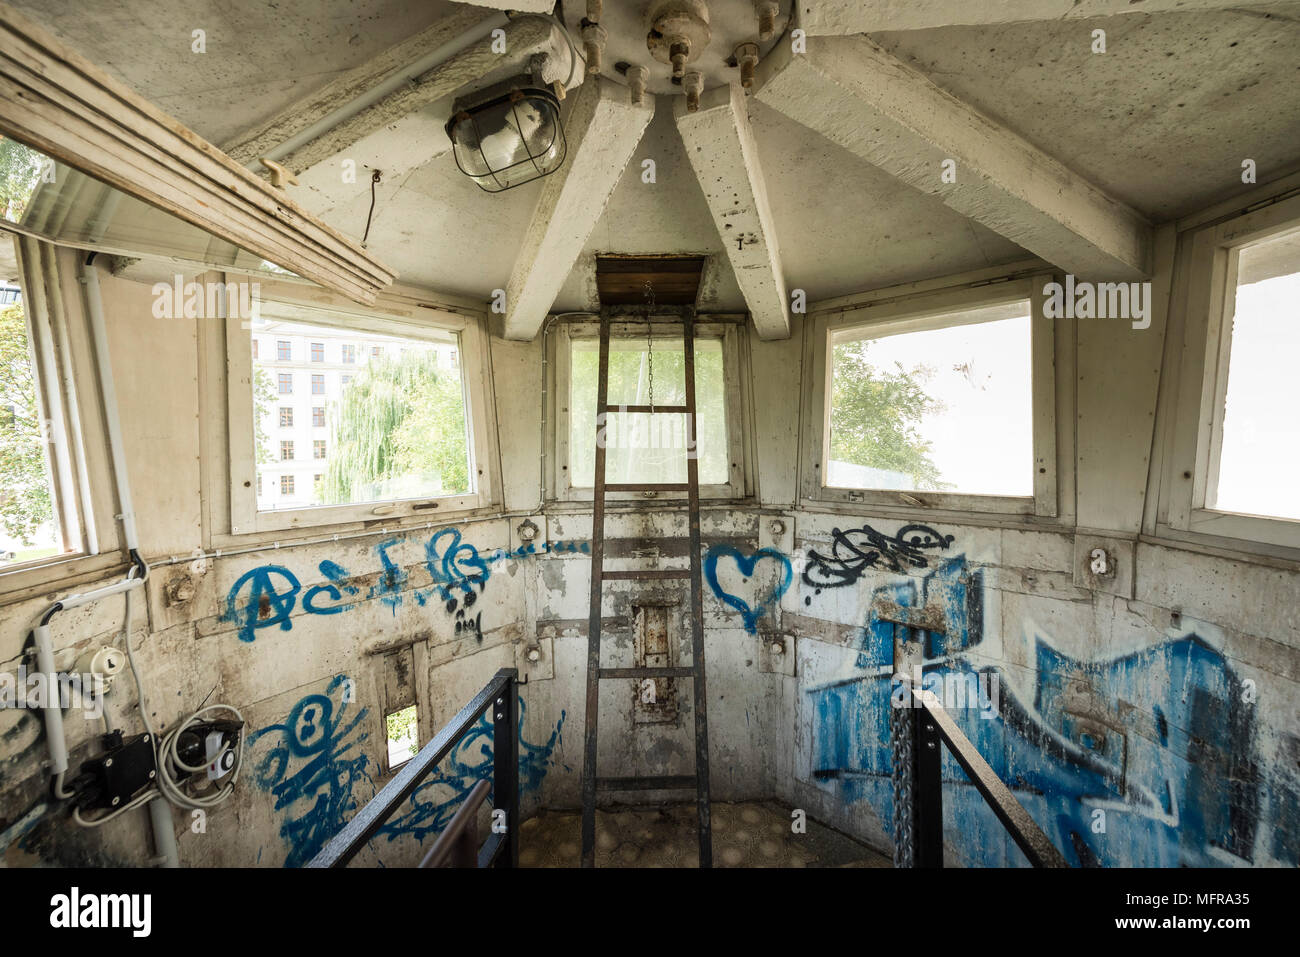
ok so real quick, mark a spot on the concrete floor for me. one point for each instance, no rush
(748, 834)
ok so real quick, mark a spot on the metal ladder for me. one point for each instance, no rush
(591, 783)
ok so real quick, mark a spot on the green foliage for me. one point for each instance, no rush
(875, 413)
(402, 726)
(25, 503)
(264, 400)
(398, 432)
(20, 168)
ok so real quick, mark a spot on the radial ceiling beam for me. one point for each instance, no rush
(857, 95)
(720, 145)
(319, 105)
(602, 129)
(844, 17)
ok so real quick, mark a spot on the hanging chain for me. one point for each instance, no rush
(649, 342)
(901, 727)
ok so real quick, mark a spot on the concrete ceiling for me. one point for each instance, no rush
(1160, 122)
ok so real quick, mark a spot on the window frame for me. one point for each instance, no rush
(667, 328)
(391, 316)
(914, 312)
(1195, 396)
(66, 381)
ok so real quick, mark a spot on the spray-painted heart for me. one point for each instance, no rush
(746, 564)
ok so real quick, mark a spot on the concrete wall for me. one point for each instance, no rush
(1164, 697)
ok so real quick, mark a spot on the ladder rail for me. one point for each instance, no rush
(594, 619)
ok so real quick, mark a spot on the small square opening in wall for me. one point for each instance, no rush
(402, 728)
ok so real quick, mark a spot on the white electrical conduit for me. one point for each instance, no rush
(167, 753)
(525, 36)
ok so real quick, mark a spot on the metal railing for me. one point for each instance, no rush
(920, 731)
(500, 698)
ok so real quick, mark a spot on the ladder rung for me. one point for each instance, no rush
(648, 409)
(652, 487)
(669, 783)
(633, 575)
(647, 672)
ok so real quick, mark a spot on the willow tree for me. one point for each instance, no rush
(398, 431)
(25, 505)
(875, 416)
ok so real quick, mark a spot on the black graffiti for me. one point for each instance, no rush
(855, 551)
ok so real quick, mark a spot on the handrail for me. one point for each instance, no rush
(459, 839)
(500, 695)
(932, 725)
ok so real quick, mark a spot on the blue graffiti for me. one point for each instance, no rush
(435, 801)
(266, 605)
(266, 596)
(1174, 784)
(315, 763)
(747, 563)
(313, 767)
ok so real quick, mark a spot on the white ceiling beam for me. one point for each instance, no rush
(720, 145)
(891, 115)
(845, 17)
(602, 130)
(319, 105)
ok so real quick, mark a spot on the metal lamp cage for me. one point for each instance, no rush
(536, 163)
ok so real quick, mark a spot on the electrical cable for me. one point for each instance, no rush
(374, 178)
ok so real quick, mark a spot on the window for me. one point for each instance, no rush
(938, 398)
(399, 433)
(286, 383)
(1258, 467)
(643, 447)
(1231, 427)
(286, 417)
(376, 352)
(403, 735)
(946, 408)
(349, 353)
(259, 483)
(318, 352)
(254, 348)
(282, 351)
(286, 451)
(33, 443)
(286, 484)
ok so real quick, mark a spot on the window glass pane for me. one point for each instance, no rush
(29, 524)
(1259, 459)
(67, 206)
(947, 409)
(394, 428)
(641, 447)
